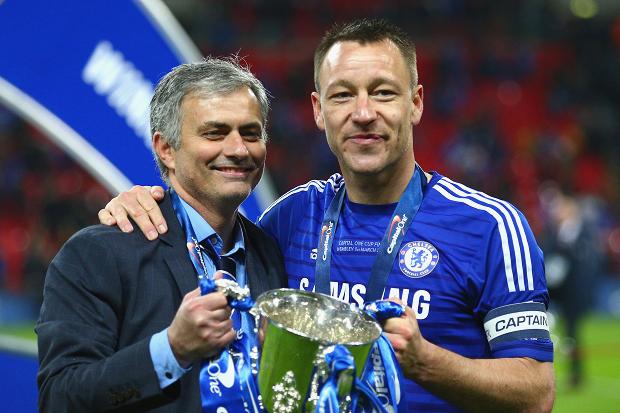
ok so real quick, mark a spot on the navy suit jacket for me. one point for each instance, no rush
(106, 293)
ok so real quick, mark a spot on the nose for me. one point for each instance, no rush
(235, 146)
(364, 112)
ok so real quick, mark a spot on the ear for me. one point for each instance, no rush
(164, 151)
(316, 108)
(417, 107)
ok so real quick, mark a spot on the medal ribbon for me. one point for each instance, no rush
(402, 217)
(236, 389)
(381, 360)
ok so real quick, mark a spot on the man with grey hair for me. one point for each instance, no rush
(123, 326)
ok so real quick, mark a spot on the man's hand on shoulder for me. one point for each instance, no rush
(139, 203)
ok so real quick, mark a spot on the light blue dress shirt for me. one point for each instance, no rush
(166, 365)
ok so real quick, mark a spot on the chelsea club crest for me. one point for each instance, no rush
(417, 259)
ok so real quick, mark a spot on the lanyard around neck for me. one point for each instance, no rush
(195, 249)
(402, 217)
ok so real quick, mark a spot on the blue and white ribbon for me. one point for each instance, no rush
(382, 373)
(228, 382)
(340, 361)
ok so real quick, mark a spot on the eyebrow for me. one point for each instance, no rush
(340, 83)
(381, 80)
(251, 125)
(374, 83)
(213, 124)
(223, 125)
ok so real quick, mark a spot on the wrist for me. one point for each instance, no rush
(180, 357)
(421, 365)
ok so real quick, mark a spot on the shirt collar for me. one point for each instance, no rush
(204, 231)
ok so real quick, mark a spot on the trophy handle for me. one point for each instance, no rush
(345, 386)
(345, 382)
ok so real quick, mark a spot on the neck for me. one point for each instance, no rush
(385, 187)
(221, 218)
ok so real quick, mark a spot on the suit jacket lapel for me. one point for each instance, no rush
(177, 256)
(183, 271)
(253, 269)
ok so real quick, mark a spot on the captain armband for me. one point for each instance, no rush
(522, 321)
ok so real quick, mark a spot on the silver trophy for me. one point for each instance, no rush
(297, 328)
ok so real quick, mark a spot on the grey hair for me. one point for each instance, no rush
(212, 76)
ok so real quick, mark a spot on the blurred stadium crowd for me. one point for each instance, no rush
(521, 101)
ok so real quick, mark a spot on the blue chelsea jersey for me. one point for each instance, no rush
(468, 266)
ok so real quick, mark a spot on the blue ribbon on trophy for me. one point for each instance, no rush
(382, 371)
(229, 380)
(342, 367)
(240, 393)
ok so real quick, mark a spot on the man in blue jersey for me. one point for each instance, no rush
(474, 336)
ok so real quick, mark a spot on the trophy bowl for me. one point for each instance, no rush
(297, 327)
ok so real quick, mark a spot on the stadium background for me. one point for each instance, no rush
(522, 100)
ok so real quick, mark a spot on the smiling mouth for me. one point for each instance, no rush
(366, 138)
(234, 171)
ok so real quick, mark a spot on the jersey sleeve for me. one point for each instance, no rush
(513, 296)
(281, 218)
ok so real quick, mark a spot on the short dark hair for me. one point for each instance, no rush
(367, 31)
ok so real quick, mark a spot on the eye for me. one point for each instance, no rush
(252, 136)
(384, 94)
(340, 96)
(213, 134)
